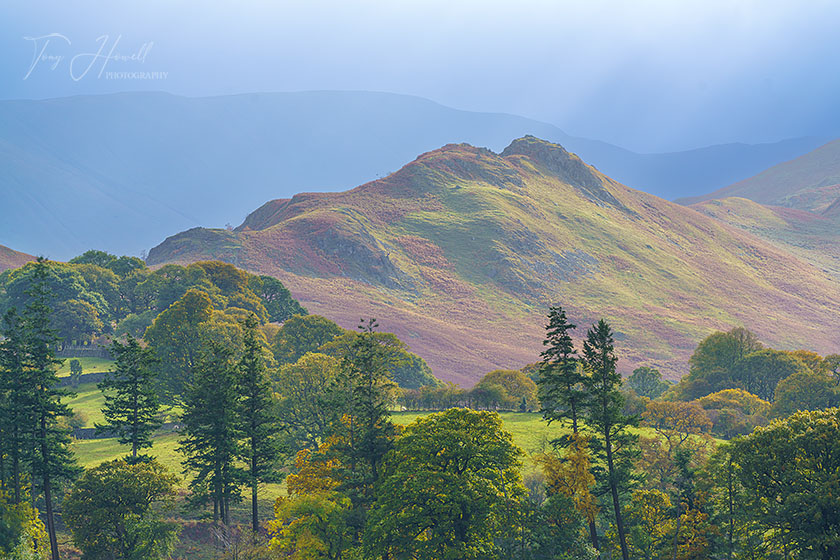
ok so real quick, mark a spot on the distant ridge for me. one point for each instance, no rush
(120, 172)
(462, 250)
(809, 182)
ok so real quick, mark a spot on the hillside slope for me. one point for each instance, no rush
(810, 182)
(120, 172)
(461, 251)
(9, 258)
(813, 237)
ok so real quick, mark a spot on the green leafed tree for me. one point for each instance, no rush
(17, 391)
(303, 388)
(517, 386)
(405, 369)
(790, 472)
(276, 298)
(302, 334)
(647, 382)
(804, 390)
(759, 372)
(711, 366)
(451, 488)
(75, 371)
(361, 430)
(132, 406)
(177, 336)
(117, 510)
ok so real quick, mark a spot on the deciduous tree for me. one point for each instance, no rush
(790, 471)
(116, 510)
(448, 489)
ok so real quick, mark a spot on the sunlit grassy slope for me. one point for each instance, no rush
(89, 365)
(462, 250)
(811, 236)
(529, 431)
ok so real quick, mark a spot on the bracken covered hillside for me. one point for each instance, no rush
(9, 258)
(461, 251)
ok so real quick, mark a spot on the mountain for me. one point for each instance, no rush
(794, 205)
(10, 258)
(119, 172)
(813, 237)
(810, 182)
(461, 251)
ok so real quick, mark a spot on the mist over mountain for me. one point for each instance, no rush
(461, 251)
(121, 171)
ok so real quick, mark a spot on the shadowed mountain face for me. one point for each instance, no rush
(119, 172)
(461, 251)
(10, 258)
(810, 182)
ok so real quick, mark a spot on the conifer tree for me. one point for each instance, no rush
(563, 392)
(52, 459)
(131, 396)
(210, 437)
(561, 381)
(604, 415)
(259, 427)
(17, 407)
(361, 429)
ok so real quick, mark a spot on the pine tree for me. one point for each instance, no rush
(562, 393)
(17, 407)
(210, 437)
(131, 396)
(52, 459)
(562, 388)
(259, 425)
(361, 429)
(605, 417)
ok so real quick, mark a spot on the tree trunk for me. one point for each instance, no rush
(16, 462)
(48, 505)
(50, 518)
(255, 521)
(619, 522)
(731, 509)
(593, 534)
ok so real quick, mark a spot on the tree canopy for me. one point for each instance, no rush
(447, 489)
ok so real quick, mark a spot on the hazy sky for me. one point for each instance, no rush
(651, 76)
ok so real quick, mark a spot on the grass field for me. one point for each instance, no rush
(88, 401)
(89, 365)
(529, 431)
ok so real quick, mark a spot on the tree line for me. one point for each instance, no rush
(636, 473)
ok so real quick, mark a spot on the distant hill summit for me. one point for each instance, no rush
(461, 251)
(810, 182)
(122, 171)
(10, 258)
